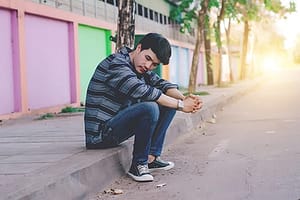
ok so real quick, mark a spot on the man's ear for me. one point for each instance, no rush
(138, 48)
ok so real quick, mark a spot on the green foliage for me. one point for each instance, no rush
(243, 2)
(213, 3)
(237, 10)
(71, 110)
(276, 6)
(252, 12)
(46, 116)
(184, 14)
(67, 109)
(230, 10)
(292, 7)
(202, 93)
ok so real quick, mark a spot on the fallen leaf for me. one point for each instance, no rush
(161, 185)
(107, 191)
(117, 191)
(212, 121)
(113, 191)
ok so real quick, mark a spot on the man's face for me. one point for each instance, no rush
(145, 60)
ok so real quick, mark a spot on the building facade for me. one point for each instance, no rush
(50, 48)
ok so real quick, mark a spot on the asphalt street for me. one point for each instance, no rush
(251, 152)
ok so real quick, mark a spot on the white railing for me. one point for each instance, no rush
(100, 9)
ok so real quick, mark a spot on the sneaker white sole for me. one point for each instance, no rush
(143, 178)
(170, 166)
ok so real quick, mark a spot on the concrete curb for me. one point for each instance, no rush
(87, 172)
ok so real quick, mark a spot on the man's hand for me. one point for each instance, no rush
(194, 103)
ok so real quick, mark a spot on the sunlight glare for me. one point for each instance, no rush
(271, 64)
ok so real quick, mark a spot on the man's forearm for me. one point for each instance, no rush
(167, 101)
(188, 104)
(173, 92)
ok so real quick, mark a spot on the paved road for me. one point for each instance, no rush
(252, 152)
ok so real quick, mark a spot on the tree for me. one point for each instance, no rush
(186, 12)
(126, 24)
(199, 41)
(238, 10)
(230, 13)
(207, 45)
(250, 11)
(217, 27)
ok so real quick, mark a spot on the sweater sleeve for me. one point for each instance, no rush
(120, 77)
(159, 83)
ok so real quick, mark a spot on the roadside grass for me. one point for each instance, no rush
(202, 93)
(69, 109)
(46, 116)
(63, 111)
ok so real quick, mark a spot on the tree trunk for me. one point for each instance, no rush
(126, 24)
(199, 40)
(207, 47)
(195, 61)
(219, 41)
(220, 52)
(227, 30)
(244, 51)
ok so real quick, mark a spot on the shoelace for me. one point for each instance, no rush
(143, 169)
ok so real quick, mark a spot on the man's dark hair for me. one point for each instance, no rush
(159, 45)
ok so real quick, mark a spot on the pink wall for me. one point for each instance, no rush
(201, 71)
(6, 64)
(48, 67)
(35, 76)
(184, 66)
(201, 68)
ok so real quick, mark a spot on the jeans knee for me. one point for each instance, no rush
(170, 111)
(152, 110)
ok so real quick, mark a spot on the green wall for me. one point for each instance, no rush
(94, 45)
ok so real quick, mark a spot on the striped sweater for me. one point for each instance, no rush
(114, 86)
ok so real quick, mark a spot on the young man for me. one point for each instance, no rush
(126, 98)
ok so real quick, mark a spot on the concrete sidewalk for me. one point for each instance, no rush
(47, 159)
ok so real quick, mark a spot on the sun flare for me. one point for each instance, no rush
(271, 64)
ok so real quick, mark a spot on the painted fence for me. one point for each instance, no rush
(48, 57)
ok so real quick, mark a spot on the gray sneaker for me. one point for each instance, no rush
(140, 173)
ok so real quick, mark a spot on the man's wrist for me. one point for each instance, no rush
(180, 105)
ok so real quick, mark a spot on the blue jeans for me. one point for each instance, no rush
(147, 121)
